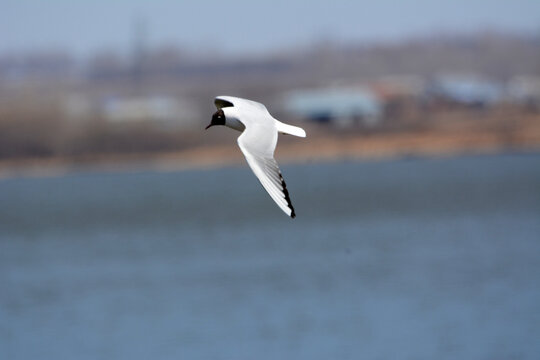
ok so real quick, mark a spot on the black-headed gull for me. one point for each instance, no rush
(258, 142)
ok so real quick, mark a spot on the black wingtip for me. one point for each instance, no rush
(287, 198)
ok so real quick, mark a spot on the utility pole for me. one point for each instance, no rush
(138, 61)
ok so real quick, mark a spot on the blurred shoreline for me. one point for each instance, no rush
(433, 96)
(319, 146)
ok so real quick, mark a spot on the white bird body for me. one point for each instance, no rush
(258, 142)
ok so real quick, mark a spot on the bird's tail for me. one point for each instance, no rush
(290, 129)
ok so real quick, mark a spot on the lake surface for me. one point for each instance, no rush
(407, 259)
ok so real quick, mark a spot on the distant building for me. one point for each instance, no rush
(340, 106)
(466, 90)
(163, 110)
(525, 90)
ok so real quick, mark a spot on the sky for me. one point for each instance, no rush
(246, 26)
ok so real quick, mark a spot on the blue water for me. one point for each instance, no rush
(408, 259)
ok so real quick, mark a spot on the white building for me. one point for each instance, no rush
(342, 106)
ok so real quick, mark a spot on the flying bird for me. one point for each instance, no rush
(258, 142)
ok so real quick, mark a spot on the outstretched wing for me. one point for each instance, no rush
(222, 102)
(258, 144)
(244, 105)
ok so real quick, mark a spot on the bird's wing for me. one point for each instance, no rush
(258, 142)
(244, 105)
(222, 102)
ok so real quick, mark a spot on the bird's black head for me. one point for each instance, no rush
(217, 119)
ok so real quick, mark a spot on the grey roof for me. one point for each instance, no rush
(334, 102)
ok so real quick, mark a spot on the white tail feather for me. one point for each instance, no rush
(290, 129)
